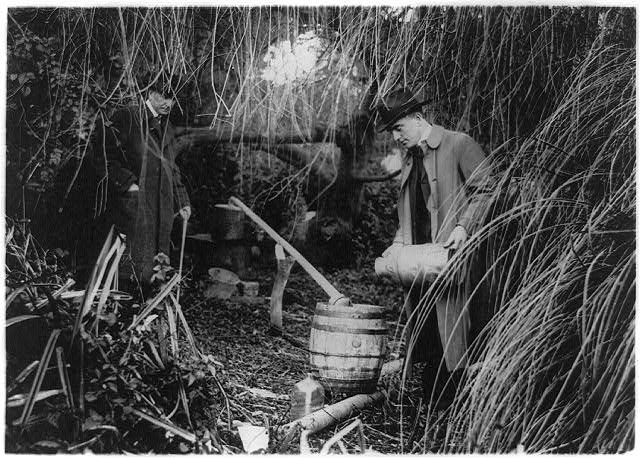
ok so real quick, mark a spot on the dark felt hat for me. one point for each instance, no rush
(152, 82)
(394, 106)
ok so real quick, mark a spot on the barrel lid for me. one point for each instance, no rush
(228, 207)
(360, 308)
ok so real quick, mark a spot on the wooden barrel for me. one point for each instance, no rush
(347, 346)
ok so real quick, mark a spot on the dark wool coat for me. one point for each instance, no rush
(140, 149)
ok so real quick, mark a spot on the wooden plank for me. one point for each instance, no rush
(285, 263)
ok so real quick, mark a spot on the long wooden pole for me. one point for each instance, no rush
(335, 296)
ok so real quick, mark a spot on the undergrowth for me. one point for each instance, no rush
(127, 376)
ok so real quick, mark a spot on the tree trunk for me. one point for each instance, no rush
(342, 190)
(226, 133)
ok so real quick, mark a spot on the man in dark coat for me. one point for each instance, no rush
(145, 190)
(444, 181)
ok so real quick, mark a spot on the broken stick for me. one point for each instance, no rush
(334, 413)
(285, 263)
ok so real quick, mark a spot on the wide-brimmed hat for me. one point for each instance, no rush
(394, 106)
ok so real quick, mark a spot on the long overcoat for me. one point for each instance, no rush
(451, 160)
(139, 148)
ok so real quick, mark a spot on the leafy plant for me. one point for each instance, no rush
(119, 373)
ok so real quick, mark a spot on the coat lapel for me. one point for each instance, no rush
(432, 144)
(430, 165)
(430, 151)
(406, 169)
(159, 138)
(429, 162)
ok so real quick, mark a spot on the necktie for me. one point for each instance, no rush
(419, 195)
(418, 165)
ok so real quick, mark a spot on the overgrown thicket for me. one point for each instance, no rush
(556, 362)
(258, 76)
(549, 91)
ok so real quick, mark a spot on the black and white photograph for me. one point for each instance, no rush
(319, 228)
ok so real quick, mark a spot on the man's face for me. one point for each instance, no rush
(161, 104)
(407, 131)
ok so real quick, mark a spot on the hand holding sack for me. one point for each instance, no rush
(407, 264)
(457, 238)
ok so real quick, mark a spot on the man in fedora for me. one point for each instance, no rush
(145, 189)
(434, 206)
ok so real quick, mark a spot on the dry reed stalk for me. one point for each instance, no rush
(556, 359)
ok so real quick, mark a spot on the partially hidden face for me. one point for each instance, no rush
(407, 131)
(161, 104)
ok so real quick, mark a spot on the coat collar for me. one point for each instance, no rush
(154, 121)
(154, 113)
(434, 138)
(431, 143)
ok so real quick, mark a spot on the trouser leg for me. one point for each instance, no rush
(136, 264)
(421, 330)
(121, 214)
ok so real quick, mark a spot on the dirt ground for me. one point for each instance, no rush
(237, 333)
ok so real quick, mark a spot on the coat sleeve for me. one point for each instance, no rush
(180, 195)
(114, 136)
(399, 236)
(475, 169)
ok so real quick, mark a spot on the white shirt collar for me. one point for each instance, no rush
(153, 112)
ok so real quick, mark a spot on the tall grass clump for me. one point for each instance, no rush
(555, 265)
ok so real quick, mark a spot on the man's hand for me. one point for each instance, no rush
(457, 238)
(185, 212)
(133, 187)
(389, 251)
